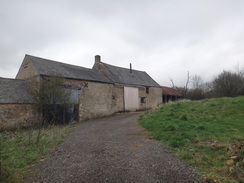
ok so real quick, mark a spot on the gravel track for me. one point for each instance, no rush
(113, 149)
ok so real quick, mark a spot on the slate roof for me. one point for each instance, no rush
(14, 91)
(170, 91)
(123, 76)
(49, 67)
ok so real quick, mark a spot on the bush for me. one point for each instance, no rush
(52, 99)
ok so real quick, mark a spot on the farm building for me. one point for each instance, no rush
(16, 104)
(140, 90)
(170, 94)
(100, 91)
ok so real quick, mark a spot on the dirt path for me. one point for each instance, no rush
(112, 149)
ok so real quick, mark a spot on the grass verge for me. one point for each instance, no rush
(208, 134)
(20, 149)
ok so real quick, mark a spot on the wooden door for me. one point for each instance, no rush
(131, 99)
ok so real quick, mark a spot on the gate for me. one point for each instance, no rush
(58, 114)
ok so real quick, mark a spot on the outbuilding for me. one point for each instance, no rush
(170, 95)
(16, 104)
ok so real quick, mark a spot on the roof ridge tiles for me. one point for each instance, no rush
(122, 67)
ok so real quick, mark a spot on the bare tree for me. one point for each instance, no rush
(182, 90)
(172, 82)
(239, 79)
(228, 84)
(238, 71)
(197, 91)
(51, 98)
(197, 82)
(187, 81)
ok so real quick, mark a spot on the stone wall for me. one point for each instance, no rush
(17, 115)
(103, 99)
(98, 99)
(155, 97)
(152, 97)
(26, 70)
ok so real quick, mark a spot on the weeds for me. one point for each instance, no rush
(21, 148)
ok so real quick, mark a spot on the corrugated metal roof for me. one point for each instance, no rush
(50, 67)
(124, 76)
(14, 91)
(170, 91)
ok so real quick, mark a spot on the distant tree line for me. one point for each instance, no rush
(226, 84)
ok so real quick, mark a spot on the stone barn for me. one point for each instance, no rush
(92, 91)
(100, 91)
(139, 89)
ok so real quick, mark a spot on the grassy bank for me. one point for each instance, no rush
(208, 134)
(22, 148)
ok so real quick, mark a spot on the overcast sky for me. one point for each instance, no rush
(165, 38)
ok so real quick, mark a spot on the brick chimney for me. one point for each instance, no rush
(97, 58)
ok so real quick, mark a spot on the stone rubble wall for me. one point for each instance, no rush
(103, 99)
(26, 71)
(153, 98)
(98, 99)
(17, 115)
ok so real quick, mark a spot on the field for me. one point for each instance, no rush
(20, 149)
(208, 134)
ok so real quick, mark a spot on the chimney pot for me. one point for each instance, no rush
(130, 68)
(97, 58)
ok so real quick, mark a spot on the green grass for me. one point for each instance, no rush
(20, 149)
(202, 132)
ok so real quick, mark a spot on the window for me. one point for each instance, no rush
(147, 90)
(143, 100)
